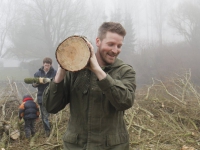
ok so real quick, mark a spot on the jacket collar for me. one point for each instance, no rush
(118, 62)
(50, 70)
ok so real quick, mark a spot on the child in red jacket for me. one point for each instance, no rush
(29, 111)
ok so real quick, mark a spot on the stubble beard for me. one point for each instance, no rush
(105, 61)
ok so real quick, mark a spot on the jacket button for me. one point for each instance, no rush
(85, 91)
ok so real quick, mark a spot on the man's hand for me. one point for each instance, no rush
(94, 65)
(59, 75)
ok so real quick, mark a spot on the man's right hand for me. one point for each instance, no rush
(59, 75)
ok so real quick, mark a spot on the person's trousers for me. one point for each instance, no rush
(29, 127)
(45, 117)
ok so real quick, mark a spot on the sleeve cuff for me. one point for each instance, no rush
(106, 83)
(56, 86)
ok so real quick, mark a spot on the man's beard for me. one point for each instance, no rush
(105, 61)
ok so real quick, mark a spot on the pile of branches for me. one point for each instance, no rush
(165, 116)
(12, 135)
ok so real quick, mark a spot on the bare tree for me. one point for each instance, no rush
(7, 18)
(44, 24)
(185, 19)
(160, 11)
(60, 19)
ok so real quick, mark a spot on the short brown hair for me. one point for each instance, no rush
(111, 27)
(47, 60)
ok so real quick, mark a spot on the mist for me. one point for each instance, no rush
(162, 36)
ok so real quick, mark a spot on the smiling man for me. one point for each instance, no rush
(98, 95)
(109, 45)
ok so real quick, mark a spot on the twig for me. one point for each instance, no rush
(53, 129)
(143, 128)
(40, 145)
(27, 89)
(10, 84)
(147, 96)
(18, 97)
(170, 93)
(146, 111)
(131, 119)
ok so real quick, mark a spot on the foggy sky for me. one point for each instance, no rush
(159, 45)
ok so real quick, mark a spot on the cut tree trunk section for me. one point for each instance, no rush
(73, 53)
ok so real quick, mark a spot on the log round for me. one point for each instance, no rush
(73, 53)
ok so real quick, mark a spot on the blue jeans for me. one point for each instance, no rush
(45, 116)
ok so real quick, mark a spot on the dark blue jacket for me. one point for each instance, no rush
(40, 73)
(28, 110)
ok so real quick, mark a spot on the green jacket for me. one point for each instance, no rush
(96, 107)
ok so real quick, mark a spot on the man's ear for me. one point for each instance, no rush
(98, 42)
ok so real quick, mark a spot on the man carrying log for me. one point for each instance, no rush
(98, 95)
(46, 71)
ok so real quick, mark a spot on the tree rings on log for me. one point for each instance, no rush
(73, 53)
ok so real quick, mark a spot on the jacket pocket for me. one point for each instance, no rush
(70, 138)
(116, 139)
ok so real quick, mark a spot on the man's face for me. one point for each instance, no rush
(47, 66)
(109, 48)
